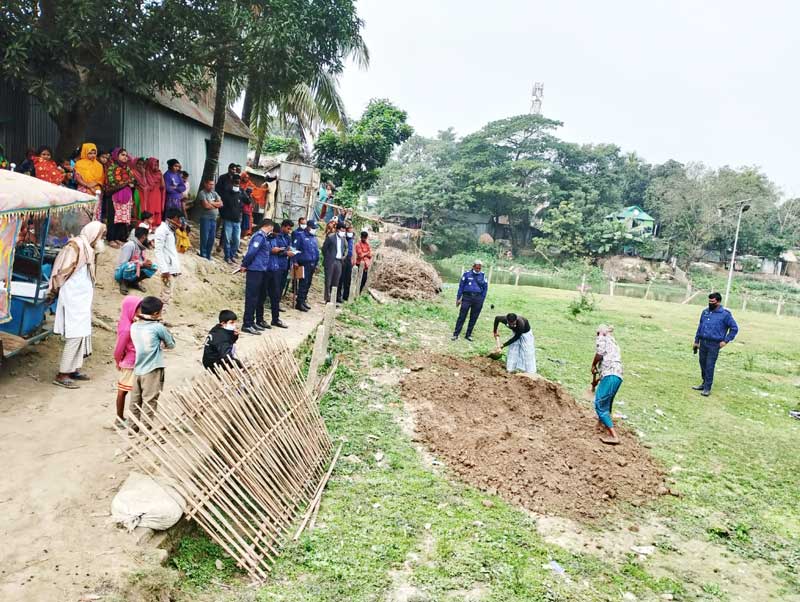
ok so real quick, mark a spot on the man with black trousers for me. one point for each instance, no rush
(347, 266)
(255, 263)
(716, 329)
(278, 266)
(286, 240)
(334, 252)
(471, 294)
(308, 258)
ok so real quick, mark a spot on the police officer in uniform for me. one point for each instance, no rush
(470, 297)
(716, 329)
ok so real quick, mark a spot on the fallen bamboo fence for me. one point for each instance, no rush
(247, 449)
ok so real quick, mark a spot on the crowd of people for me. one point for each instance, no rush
(715, 330)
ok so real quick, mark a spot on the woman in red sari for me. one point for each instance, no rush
(154, 197)
(47, 169)
(120, 183)
(140, 185)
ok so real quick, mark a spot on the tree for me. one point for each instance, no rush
(75, 55)
(353, 158)
(505, 168)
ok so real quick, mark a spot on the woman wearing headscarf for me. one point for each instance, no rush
(140, 184)
(246, 185)
(47, 169)
(174, 185)
(27, 167)
(125, 353)
(120, 184)
(608, 363)
(89, 173)
(153, 199)
(73, 280)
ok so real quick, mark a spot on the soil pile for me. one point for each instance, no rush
(526, 439)
(404, 276)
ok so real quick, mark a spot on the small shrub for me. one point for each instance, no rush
(582, 305)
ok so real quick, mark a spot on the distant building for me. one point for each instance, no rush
(636, 219)
(165, 127)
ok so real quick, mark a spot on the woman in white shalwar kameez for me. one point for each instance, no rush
(73, 280)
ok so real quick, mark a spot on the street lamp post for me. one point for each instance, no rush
(743, 206)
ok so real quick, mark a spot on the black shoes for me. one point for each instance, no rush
(705, 393)
(263, 325)
(279, 324)
(469, 337)
(300, 307)
(698, 388)
(251, 330)
(454, 337)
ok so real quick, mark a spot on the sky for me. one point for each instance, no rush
(710, 81)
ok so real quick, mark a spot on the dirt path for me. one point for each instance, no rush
(62, 467)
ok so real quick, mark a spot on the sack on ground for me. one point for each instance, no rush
(144, 502)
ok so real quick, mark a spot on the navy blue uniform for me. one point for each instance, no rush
(471, 292)
(347, 271)
(277, 268)
(715, 327)
(308, 258)
(256, 261)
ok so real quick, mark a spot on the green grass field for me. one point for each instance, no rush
(398, 530)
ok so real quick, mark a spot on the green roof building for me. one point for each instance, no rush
(635, 218)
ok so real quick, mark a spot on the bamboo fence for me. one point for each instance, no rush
(246, 448)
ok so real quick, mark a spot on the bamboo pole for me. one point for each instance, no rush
(317, 355)
(516, 279)
(318, 495)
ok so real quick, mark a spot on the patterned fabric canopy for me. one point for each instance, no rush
(23, 195)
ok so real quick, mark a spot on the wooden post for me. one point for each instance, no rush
(359, 275)
(330, 313)
(688, 291)
(647, 292)
(744, 302)
(463, 269)
(583, 284)
(780, 306)
(611, 284)
(489, 279)
(317, 356)
(516, 280)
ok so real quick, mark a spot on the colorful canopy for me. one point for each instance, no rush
(23, 195)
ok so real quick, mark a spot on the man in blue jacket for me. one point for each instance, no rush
(277, 269)
(716, 329)
(308, 258)
(255, 263)
(470, 297)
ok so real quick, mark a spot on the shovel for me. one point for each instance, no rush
(588, 394)
(498, 352)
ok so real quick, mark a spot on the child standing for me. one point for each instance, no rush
(149, 335)
(220, 349)
(125, 354)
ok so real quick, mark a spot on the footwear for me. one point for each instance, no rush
(705, 393)
(698, 388)
(251, 330)
(300, 307)
(610, 440)
(306, 306)
(123, 288)
(138, 286)
(263, 325)
(469, 337)
(67, 383)
(794, 414)
(258, 328)
(79, 376)
(454, 337)
(279, 324)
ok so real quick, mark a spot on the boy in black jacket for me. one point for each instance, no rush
(219, 349)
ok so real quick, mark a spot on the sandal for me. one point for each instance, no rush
(79, 376)
(610, 440)
(67, 383)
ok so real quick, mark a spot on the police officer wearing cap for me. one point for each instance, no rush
(470, 297)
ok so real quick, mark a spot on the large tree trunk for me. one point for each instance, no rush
(72, 124)
(218, 128)
(249, 101)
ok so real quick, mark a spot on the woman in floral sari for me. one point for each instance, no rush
(153, 200)
(120, 183)
(47, 169)
(89, 172)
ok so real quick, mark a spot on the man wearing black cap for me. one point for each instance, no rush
(308, 258)
(334, 252)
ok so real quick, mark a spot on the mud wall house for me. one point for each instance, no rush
(164, 126)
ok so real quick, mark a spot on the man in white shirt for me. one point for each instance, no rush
(167, 253)
(334, 250)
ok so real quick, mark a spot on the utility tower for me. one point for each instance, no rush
(536, 98)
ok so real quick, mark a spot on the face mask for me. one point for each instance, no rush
(172, 226)
(100, 246)
(229, 326)
(236, 189)
(341, 234)
(313, 231)
(349, 235)
(302, 226)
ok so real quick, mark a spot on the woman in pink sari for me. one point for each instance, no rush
(153, 200)
(141, 185)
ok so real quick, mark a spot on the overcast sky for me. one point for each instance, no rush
(711, 81)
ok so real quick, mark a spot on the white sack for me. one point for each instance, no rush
(144, 502)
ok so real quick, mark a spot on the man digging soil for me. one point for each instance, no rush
(608, 361)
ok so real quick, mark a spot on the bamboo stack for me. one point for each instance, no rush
(246, 448)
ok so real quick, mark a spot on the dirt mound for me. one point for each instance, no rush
(404, 276)
(526, 439)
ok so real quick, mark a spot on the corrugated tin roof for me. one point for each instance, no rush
(632, 212)
(202, 113)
